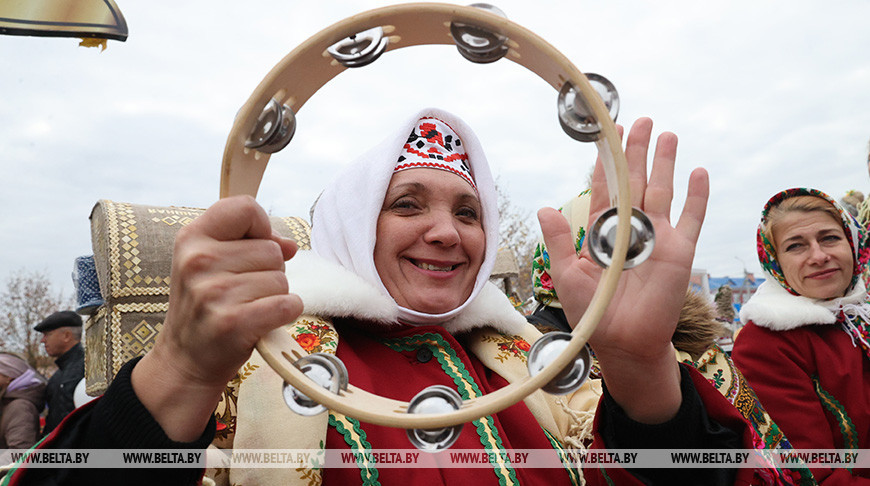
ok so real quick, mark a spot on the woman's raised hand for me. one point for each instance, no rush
(228, 289)
(633, 338)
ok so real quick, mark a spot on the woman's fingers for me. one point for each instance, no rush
(246, 318)
(558, 239)
(599, 198)
(274, 311)
(574, 277)
(636, 149)
(228, 286)
(288, 246)
(236, 256)
(234, 218)
(660, 190)
(237, 288)
(695, 208)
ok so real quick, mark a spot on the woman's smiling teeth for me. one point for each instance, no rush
(436, 268)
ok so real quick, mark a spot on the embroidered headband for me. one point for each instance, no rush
(433, 144)
(855, 235)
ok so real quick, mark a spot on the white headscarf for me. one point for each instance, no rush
(344, 221)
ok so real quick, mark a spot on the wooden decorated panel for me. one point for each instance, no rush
(133, 256)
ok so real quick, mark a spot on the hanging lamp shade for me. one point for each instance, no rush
(98, 19)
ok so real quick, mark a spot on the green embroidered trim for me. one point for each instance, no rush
(806, 477)
(847, 428)
(606, 477)
(465, 384)
(17, 465)
(450, 362)
(356, 439)
(490, 440)
(574, 474)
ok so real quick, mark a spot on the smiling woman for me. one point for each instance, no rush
(815, 254)
(425, 230)
(805, 346)
(430, 241)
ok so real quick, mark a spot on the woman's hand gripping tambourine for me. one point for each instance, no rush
(587, 106)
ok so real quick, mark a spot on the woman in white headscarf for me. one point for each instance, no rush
(22, 398)
(403, 244)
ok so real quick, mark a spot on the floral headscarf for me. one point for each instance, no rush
(855, 235)
(854, 317)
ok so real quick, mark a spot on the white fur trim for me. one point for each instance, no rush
(775, 308)
(330, 290)
(490, 308)
(327, 289)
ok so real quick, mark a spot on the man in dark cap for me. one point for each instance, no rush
(61, 336)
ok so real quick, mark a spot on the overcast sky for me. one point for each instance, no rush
(765, 95)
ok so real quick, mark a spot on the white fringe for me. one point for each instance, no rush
(579, 432)
(854, 315)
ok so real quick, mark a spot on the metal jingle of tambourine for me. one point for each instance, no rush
(476, 44)
(360, 49)
(275, 127)
(324, 369)
(602, 236)
(435, 399)
(546, 349)
(576, 117)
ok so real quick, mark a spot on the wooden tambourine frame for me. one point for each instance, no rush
(309, 67)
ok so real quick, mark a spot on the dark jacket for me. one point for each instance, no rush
(62, 385)
(19, 417)
(117, 420)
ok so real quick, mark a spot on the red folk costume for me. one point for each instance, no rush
(398, 361)
(808, 359)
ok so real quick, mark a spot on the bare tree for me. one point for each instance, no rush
(28, 297)
(519, 232)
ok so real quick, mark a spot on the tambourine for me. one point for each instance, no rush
(587, 107)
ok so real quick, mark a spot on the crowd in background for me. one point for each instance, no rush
(32, 406)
